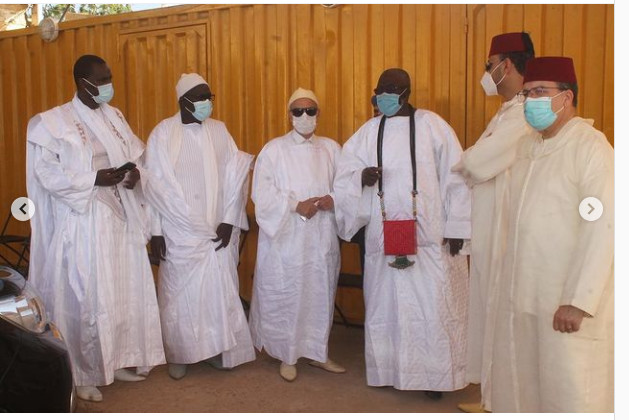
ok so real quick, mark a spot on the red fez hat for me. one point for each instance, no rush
(507, 43)
(552, 69)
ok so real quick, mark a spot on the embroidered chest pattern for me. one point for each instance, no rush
(117, 133)
(81, 131)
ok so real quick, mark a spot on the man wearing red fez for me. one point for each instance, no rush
(486, 169)
(554, 333)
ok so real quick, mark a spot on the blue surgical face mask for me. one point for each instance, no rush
(538, 112)
(389, 103)
(202, 109)
(105, 92)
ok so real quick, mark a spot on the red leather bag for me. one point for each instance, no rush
(400, 237)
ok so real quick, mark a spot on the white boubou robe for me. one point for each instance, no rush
(200, 307)
(298, 261)
(416, 318)
(90, 263)
(553, 258)
(485, 167)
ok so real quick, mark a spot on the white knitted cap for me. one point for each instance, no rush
(188, 81)
(302, 93)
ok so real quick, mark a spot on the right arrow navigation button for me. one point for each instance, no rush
(591, 209)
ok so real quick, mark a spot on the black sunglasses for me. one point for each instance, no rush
(298, 112)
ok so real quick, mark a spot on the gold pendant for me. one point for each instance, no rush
(401, 262)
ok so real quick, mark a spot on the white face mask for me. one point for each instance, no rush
(305, 124)
(488, 84)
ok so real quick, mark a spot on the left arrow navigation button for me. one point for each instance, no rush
(22, 209)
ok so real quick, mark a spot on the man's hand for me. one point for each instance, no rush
(325, 203)
(158, 247)
(455, 245)
(307, 207)
(223, 234)
(132, 179)
(568, 319)
(370, 175)
(108, 177)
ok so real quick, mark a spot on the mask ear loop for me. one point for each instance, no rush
(563, 107)
(93, 85)
(399, 97)
(195, 108)
(503, 76)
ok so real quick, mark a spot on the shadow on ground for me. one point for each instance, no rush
(257, 387)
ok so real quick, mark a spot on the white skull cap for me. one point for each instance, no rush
(302, 93)
(188, 81)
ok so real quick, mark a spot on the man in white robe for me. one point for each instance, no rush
(416, 317)
(298, 258)
(198, 188)
(485, 167)
(89, 234)
(554, 336)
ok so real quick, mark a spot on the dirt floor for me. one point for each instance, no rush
(257, 387)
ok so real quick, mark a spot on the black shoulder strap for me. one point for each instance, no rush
(412, 141)
(380, 135)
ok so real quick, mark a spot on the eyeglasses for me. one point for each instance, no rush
(201, 98)
(537, 92)
(298, 112)
(390, 88)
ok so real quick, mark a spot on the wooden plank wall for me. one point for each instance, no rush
(254, 56)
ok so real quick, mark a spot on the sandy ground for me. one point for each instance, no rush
(257, 387)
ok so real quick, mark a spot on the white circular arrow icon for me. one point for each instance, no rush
(22, 209)
(591, 209)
